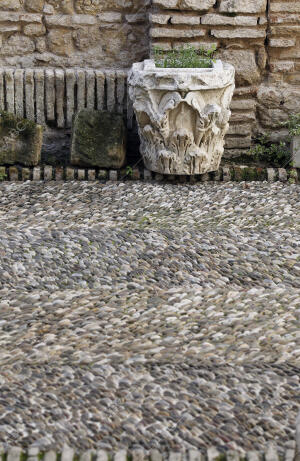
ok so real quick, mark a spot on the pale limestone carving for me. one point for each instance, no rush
(182, 115)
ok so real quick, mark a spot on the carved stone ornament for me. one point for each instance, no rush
(182, 115)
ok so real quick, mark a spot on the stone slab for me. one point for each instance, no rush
(20, 141)
(296, 151)
(98, 139)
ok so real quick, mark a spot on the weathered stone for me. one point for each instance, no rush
(243, 6)
(3, 174)
(59, 173)
(20, 141)
(238, 33)
(102, 174)
(13, 5)
(18, 45)
(13, 176)
(36, 174)
(98, 139)
(81, 175)
(295, 146)
(25, 174)
(70, 173)
(91, 175)
(34, 30)
(48, 173)
(244, 63)
(113, 175)
(182, 116)
(34, 5)
(60, 41)
(88, 6)
(222, 20)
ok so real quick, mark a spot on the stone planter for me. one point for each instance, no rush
(295, 146)
(182, 115)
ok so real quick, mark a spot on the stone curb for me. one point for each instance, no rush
(226, 173)
(271, 453)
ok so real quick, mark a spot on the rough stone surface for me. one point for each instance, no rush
(20, 141)
(98, 139)
(262, 39)
(182, 116)
(73, 33)
(138, 314)
(296, 151)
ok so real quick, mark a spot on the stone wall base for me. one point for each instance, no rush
(235, 173)
(271, 453)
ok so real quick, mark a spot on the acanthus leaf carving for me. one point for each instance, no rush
(182, 131)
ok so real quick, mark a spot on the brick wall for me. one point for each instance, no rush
(70, 33)
(261, 38)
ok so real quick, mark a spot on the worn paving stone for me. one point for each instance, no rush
(149, 315)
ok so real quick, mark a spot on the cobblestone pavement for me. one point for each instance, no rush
(149, 315)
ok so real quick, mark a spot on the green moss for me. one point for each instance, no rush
(98, 139)
(20, 140)
(23, 456)
(9, 122)
(250, 174)
(293, 174)
(222, 457)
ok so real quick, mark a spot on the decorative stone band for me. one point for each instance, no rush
(228, 173)
(271, 453)
(52, 96)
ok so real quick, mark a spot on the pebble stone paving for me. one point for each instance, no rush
(152, 315)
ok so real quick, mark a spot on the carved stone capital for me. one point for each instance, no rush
(182, 115)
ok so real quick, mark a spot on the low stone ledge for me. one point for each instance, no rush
(233, 173)
(270, 453)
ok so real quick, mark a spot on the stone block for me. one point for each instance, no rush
(81, 175)
(239, 33)
(243, 6)
(102, 174)
(13, 173)
(296, 151)
(282, 66)
(285, 7)
(221, 20)
(13, 5)
(3, 175)
(59, 173)
(245, 65)
(48, 173)
(166, 32)
(282, 174)
(91, 175)
(35, 6)
(226, 174)
(271, 174)
(98, 139)
(282, 42)
(136, 173)
(147, 175)
(187, 20)
(113, 175)
(36, 174)
(20, 140)
(70, 174)
(25, 174)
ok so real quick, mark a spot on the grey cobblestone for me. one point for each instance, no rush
(147, 315)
